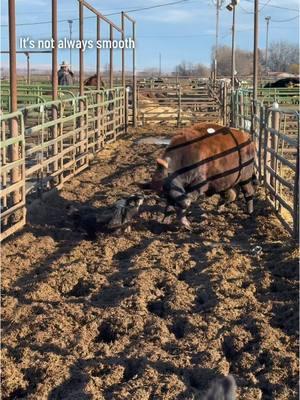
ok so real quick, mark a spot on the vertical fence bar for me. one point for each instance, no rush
(296, 186)
(260, 141)
(134, 103)
(111, 57)
(81, 74)
(54, 51)
(179, 106)
(274, 143)
(54, 78)
(255, 61)
(123, 49)
(98, 66)
(126, 109)
(28, 67)
(14, 148)
(225, 121)
(81, 82)
(98, 97)
(266, 146)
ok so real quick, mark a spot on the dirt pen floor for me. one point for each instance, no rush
(157, 313)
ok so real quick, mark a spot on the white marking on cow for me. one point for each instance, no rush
(211, 130)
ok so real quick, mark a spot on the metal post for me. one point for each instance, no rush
(111, 58)
(123, 49)
(126, 109)
(98, 96)
(262, 121)
(54, 51)
(255, 53)
(70, 22)
(15, 177)
(54, 80)
(134, 104)
(225, 122)
(267, 42)
(179, 106)
(274, 142)
(98, 66)
(217, 39)
(81, 74)
(81, 84)
(233, 49)
(27, 54)
(296, 189)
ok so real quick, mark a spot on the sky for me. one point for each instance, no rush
(179, 32)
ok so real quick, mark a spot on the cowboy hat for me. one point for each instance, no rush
(64, 64)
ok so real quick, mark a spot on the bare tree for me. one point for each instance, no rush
(189, 69)
(244, 61)
(282, 55)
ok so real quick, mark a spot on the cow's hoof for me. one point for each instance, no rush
(185, 224)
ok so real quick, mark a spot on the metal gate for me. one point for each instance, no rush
(178, 104)
(275, 132)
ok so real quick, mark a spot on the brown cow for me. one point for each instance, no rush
(205, 159)
(92, 81)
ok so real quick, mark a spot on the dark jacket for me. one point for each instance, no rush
(65, 78)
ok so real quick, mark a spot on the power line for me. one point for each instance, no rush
(264, 5)
(285, 20)
(106, 15)
(274, 6)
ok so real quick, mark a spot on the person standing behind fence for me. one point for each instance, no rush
(65, 75)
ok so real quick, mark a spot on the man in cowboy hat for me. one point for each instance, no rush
(65, 75)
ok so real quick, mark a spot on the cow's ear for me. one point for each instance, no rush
(162, 163)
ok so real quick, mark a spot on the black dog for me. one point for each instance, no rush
(115, 218)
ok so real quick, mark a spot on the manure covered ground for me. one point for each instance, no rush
(154, 314)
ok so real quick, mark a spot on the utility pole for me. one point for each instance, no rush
(255, 53)
(233, 47)
(219, 4)
(70, 22)
(217, 39)
(267, 42)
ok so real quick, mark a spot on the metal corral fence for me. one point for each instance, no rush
(182, 103)
(51, 148)
(49, 133)
(276, 135)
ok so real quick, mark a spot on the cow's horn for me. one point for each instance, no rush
(162, 162)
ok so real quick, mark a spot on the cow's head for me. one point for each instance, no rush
(161, 172)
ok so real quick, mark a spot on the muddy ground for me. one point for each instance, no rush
(157, 313)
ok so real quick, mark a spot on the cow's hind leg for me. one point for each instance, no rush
(227, 197)
(248, 192)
